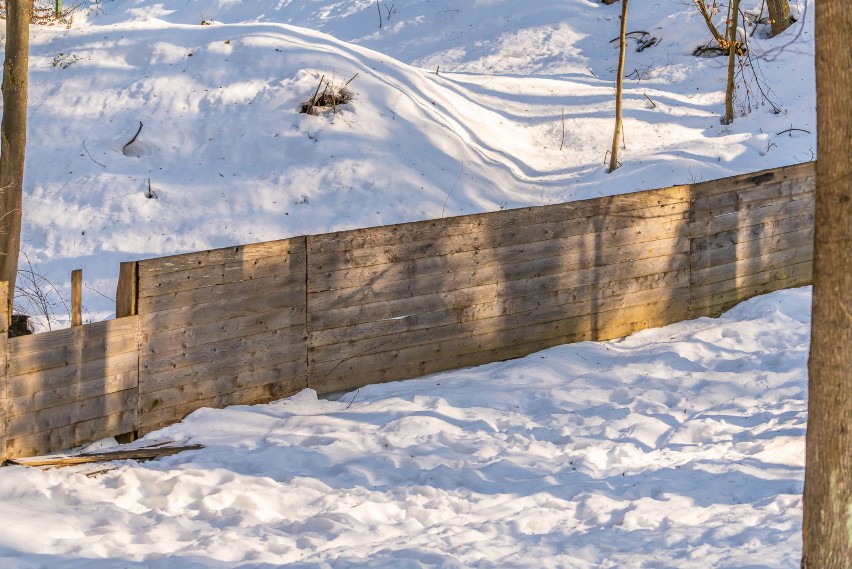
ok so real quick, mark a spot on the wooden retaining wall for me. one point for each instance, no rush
(220, 328)
(253, 323)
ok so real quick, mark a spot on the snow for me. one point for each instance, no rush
(675, 447)
(457, 109)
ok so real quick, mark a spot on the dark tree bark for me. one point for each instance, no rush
(619, 89)
(779, 13)
(13, 136)
(827, 527)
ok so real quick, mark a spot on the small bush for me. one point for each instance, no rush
(327, 97)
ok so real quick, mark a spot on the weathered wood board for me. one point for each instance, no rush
(750, 240)
(71, 386)
(220, 327)
(393, 301)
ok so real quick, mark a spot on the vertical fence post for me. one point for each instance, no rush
(127, 291)
(77, 297)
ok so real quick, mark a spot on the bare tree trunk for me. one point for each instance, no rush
(619, 89)
(13, 136)
(733, 48)
(827, 527)
(779, 13)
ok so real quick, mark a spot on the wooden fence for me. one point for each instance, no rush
(253, 323)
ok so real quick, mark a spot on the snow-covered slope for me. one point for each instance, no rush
(676, 447)
(458, 108)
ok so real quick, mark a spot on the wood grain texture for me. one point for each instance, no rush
(77, 297)
(215, 257)
(221, 327)
(348, 253)
(648, 204)
(164, 416)
(71, 346)
(127, 290)
(71, 435)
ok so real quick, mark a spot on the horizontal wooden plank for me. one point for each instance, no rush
(155, 341)
(604, 261)
(776, 213)
(291, 375)
(722, 302)
(162, 417)
(71, 347)
(138, 454)
(60, 378)
(511, 317)
(637, 243)
(238, 271)
(620, 228)
(69, 436)
(634, 205)
(740, 269)
(49, 341)
(78, 392)
(752, 180)
(462, 313)
(353, 376)
(277, 344)
(262, 302)
(750, 249)
(71, 413)
(515, 331)
(162, 265)
(757, 232)
(230, 292)
(377, 307)
(737, 199)
(741, 288)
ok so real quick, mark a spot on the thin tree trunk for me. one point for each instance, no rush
(779, 13)
(733, 46)
(619, 89)
(13, 136)
(827, 527)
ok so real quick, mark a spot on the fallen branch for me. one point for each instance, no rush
(790, 130)
(140, 454)
(649, 100)
(132, 140)
(90, 156)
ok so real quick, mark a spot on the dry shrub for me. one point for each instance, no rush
(328, 96)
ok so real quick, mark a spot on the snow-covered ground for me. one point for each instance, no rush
(458, 108)
(676, 447)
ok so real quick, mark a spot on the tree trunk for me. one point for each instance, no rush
(827, 527)
(619, 89)
(733, 47)
(13, 136)
(779, 13)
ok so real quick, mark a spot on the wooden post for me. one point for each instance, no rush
(127, 292)
(5, 310)
(76, 297)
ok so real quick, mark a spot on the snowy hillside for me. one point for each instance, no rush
(675, 447)
(457, 109)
